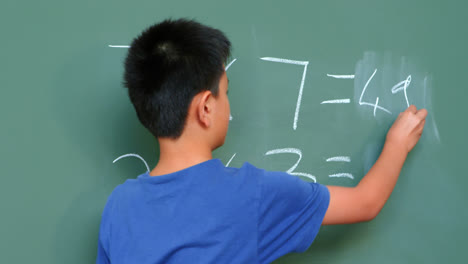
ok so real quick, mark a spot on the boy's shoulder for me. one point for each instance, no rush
(209, 175)
(202, 172)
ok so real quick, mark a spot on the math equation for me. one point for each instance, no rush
(398, 88)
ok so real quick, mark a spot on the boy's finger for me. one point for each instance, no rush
(422, 113)
(420, 127)
(412, 109)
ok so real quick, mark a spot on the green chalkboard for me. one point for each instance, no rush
(314, 83)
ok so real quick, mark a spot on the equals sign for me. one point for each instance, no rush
(339, 101)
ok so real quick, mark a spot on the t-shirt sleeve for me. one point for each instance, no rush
(291, 212)
(102, 257)
(104, 234)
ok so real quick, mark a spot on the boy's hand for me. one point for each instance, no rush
(364, 202)
(407, 129)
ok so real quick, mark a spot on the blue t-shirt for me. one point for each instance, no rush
(209, 213)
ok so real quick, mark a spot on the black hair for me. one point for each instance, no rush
(167, 65)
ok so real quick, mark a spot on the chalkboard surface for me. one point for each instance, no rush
(314, 86)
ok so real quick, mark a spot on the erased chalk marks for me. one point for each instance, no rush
(428, 105)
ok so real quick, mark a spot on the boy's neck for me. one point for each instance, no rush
(176, 155)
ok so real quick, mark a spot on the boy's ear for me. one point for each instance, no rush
(205, 108)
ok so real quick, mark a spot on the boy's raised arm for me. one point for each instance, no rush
(363, 202)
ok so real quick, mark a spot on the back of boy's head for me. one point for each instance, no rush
(167, 65)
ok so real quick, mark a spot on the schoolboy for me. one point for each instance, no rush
(191, 208)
